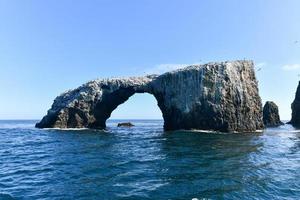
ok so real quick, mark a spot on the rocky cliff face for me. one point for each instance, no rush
(271, 115)
(215, 96)
(295, 121)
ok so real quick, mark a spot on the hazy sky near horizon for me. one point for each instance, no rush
(47, 47)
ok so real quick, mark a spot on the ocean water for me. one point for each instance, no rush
(144, 162)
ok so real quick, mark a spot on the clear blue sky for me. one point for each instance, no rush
(47, 47)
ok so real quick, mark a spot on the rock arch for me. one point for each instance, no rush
(215, 96)
(92, 104)
(104, 109)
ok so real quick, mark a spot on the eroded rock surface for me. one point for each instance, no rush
(271, 115)
(295, 121)
(215, 96)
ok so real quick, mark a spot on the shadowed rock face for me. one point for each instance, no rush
(271, 115)
(295, 121)
(215, 96)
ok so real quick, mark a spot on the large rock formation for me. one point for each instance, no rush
(271, 114)
(295, 121)
(215, 96)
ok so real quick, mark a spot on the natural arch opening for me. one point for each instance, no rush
(140, 106)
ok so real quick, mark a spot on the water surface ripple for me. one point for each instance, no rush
(143, 162)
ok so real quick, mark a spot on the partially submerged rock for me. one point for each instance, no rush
(215, 96)
(125, 124)
(271, 115)
(295, 121)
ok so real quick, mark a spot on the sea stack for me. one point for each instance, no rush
(295, 121)
(271, 115)
(215, 96)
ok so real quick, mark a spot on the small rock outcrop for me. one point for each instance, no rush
(215, 96)
(125, 124)
(295, 121)
(271, 115)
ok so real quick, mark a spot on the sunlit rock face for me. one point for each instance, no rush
(215, 96)
(295, 121)
(271, 116)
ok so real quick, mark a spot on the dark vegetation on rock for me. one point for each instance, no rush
(215, 96)
(271, 115)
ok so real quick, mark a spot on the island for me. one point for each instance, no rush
(219, 96)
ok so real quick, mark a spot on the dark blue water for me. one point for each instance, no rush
(143, 162)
